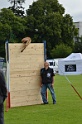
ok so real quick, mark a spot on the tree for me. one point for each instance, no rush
(3, 37)
(78, 45)
(12, 28)
(17, 7)
(68, 30)
(61, 51)
(46, 16)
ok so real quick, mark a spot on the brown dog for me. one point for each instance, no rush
(26, 41)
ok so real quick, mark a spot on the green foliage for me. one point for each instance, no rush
(44, 20)
(4, 28)
(68, 30)
(78, 45)
(12, 28)
(47, 17)
(3, 37)
(61, 51)
(17, 7)
(68, 109)
(16, 24)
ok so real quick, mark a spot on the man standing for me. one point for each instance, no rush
(3, 95)
(47, 81)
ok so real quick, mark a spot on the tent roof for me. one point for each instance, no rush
(74, 56)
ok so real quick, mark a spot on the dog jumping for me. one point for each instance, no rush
(26, 41)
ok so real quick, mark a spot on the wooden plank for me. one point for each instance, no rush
(24, 98)
(25, 103)
(25, 66)
(33, 59)
(25, 93)
(27, 98)
(14, 67)
(23, 55)
(28, 60)
(26, 73)
(18, 46)
(23, 85)
(25, 80)
(31, 49)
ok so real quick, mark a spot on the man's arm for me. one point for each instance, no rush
(41, 82)
(53, 81)
(41, 77)
(53, 77)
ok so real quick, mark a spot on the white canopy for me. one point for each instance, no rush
(71, 64)
(74, 56)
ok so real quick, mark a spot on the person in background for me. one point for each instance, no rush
(47, 81)
(3, 95)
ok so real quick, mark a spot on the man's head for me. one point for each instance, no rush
(46, 65)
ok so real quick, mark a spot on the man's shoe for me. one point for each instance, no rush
(54, 102)
(45, 103)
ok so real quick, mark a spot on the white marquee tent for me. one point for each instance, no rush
(71, 65)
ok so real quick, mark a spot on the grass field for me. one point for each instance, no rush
(68, 109)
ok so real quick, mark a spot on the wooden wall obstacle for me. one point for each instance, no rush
(24, 71)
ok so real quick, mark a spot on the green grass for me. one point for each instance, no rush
(68, 109)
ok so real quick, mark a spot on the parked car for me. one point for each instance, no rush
(53, 64)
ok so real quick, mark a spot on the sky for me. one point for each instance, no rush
(72, 7)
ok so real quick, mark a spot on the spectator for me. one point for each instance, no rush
(3, 95)
(47, 81)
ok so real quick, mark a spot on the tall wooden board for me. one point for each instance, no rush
(25, 73)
